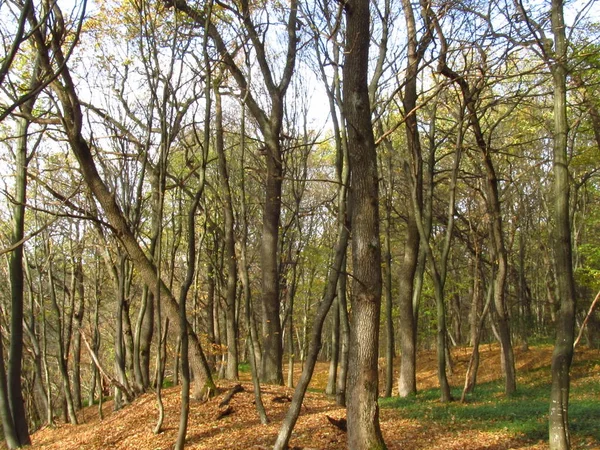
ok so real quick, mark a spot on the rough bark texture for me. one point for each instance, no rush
(272, 351)
(362, 408)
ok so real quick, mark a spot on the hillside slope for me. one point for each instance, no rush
(131, 427)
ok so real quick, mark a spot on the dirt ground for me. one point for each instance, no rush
(131, 427)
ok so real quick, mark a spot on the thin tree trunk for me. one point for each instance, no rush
(230, 257)
(80, 290)
(335, 350)
(315, 342)
(473, 366)
(244, 277)
(389, 320)
(340, 394)
(62, 360)
(185, 287)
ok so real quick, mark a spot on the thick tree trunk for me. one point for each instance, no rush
(362, 410)
(407, 382)
(565, 325)
(272, 350)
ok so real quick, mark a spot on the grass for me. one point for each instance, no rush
(244, 367)
(523, 414)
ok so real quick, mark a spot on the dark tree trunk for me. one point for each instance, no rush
(8, 425)
(80, 291)
(389, 321)
(362, 410)
(15, 352)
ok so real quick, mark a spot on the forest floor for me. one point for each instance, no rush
(419, 423)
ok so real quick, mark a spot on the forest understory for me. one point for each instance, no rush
(131, 427)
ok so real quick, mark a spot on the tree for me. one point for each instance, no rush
(565, 330)
(270, 124)
(363, 410)
(407, 382)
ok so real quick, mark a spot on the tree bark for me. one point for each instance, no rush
(362, 410)
(565, 325)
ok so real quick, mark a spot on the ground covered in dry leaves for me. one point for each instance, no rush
(131, 427)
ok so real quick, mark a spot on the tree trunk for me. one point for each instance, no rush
(8, 425)
(407, 382)
(340, 392)
(363, 410)
(316, 336)
(80, 290)
(69, 409)
(565, 325)
(272, 350)
(230, 257)
(335, 349)
(389, 320)
(244, 278)
(15, 353)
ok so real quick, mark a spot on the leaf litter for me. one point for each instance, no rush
(132, 426)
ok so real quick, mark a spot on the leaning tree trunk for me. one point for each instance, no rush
(565, 325)
(362, 410)
(65, 91)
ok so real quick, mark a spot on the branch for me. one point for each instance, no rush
(128, 394)
(17, 244)
(591, 310)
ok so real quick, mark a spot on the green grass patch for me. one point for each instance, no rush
(524, 414)
(244, 367)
